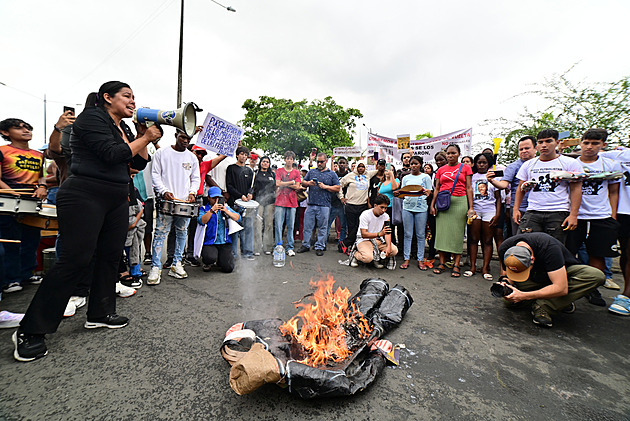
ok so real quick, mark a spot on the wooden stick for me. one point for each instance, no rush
(9, 241)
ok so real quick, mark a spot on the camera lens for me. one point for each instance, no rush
(498, 290)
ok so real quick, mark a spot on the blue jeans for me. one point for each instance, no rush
(162, 227)
(52, 195)
(20, 259)
(246, 236)
(411, 220)
(316, 215)
(338, 211)
(283, 216)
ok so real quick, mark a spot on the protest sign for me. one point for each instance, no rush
(219, 135)
(427, 148)
(403, 141)
(347, 151)
(383, 148)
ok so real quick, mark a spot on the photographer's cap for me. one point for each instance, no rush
(214, 192)
(518, 263)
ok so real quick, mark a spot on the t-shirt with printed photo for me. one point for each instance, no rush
(622, 157)
(484, 199)
(548, 195)
(595, 201)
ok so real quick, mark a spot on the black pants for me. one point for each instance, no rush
(353, 212)
(93, 220)
(432, 251)
(220, 254)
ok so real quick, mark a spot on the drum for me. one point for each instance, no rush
(177, 208)
(45, 219)
(49, 258)
(249, 208)
(11, 204)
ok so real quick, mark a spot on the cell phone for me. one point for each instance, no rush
(388, 166)
(67, 108)
(221, 200)
(313, 150)
(315, 180)
(386, 224)
(498, 173)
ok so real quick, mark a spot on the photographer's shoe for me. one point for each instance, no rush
(570, 309)
(541, 316)
(595, 297)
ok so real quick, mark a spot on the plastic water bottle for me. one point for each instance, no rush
(278, 256)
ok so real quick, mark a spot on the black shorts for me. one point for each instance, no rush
(599, 235)
(147, 215)
(624, 230)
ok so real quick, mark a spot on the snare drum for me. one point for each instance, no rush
(14, 205)
(45, 219)
(176, 208)
(249, 208)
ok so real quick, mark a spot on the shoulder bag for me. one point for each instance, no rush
(443, 198)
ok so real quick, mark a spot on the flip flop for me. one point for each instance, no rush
(422, 266)
(487, 276)
(405, 265)
(455, 273)
(469, 273)
(439, 269)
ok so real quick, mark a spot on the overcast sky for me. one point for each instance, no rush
(408, 66)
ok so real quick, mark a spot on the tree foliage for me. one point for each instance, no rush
(279, 125)
(572, 106)
(426, 135)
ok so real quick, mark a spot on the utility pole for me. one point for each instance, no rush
(181, 54)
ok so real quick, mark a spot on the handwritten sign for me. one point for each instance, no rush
(347, 151)
(219, 136)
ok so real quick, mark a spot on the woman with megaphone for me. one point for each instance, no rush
(92, 207)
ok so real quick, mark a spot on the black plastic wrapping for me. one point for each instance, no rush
(391, 310)
(310, 382)
(370, 294)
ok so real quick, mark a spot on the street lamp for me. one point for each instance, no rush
(181, 49)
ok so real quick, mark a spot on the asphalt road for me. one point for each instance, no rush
(465, 356)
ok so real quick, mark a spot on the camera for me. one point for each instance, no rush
(499, 290)
(221, 200)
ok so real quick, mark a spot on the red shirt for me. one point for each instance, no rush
(446, 175)
(204, 169)
(286, 196)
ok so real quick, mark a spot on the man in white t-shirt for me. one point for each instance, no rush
(552, 205)
(597, 219)
(374, 225)
(621, 305)
(175, 173)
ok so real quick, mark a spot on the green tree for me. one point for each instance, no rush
(278, 125)
(572, 106)
(426, 135)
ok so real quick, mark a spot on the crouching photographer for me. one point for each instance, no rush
(537, 270)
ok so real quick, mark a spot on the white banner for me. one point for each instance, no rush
(219, 136)
(427, 148)
(380, 147)
(347, 151)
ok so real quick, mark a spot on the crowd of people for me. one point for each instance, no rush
(556, 220)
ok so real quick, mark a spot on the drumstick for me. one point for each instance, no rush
(16, 190)
(9, 241)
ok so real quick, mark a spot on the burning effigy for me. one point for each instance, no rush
(333, 346)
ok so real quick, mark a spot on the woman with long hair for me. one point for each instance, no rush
(92, 209)
(265, 195)
(456, 179)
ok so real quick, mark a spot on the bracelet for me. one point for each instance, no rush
(42, 185)
(57, 129)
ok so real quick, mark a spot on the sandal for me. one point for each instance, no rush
(469, 273)
(125, 278)
(487, 276)
(405, 264)
(422, 266)
(455, 273)
(429, 263)
(439, 269)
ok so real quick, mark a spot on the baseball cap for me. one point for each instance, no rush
(196, 148)
(214, 192)
(518, 263)
(380, 162)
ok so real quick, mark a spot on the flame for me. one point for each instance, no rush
(324, 323)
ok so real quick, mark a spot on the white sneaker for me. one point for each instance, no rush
(70, 310)
(124, 291)
(290, 253)
(177, 271)
(378, 265)
(10, 320)
(78, 301)
(154, 276)
(354, 263)
(611, 285)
